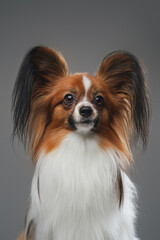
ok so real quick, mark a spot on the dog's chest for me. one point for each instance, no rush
(75, 191)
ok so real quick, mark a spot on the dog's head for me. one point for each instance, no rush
(49, 102)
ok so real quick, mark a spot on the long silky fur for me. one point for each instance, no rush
(40, 68)
(123, 79)
(124, 74)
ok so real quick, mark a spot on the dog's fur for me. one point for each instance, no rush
(78, 129)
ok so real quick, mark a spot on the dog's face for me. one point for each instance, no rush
(80, 103)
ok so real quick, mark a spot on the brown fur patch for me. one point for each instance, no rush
(21, 237)
(120, 188)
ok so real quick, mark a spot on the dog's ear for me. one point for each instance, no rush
(40, 69)
(123, 74)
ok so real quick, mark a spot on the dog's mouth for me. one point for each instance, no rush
(87, 121)
(88, 124)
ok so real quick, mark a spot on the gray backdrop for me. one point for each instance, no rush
(84, 31)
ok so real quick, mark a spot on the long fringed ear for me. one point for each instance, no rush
(40, 68)
(124, 76)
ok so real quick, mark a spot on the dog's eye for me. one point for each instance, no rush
(99, 100)
(68, 99)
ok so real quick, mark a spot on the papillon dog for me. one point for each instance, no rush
(79, 130)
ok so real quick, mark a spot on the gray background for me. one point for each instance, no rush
(84, 31)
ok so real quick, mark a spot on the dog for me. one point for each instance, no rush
(79, 130)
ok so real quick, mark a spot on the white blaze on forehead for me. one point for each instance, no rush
(84, 103)
(86, 83)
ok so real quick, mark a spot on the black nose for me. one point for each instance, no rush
(86, 111)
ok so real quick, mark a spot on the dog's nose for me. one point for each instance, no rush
(85, 111)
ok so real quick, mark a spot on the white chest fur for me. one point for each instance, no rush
(74, 194)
